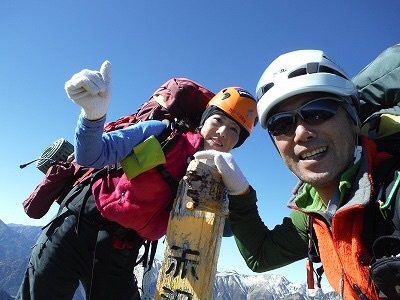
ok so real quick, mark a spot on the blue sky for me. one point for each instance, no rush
(216, 43)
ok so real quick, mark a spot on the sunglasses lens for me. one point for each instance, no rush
(317, 112)
(314, 113)
(281, 124)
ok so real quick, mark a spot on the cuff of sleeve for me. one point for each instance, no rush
(246, 190)
(92, 123)
(243, 200)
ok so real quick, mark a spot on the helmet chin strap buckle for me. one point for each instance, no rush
(357, 154)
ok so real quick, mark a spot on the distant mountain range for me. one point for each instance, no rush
(15, 247)
(16, 242)
(233, 286)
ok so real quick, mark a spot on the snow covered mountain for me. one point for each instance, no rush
(231, 285)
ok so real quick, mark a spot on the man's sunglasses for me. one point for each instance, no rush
(314, 112)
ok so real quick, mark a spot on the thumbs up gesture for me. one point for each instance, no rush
(91, 90)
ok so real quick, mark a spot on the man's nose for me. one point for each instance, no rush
(303, 131)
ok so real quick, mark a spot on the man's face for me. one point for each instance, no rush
(317, 152)
(220, 133)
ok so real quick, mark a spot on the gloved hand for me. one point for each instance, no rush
(91, 90)
(233, 178)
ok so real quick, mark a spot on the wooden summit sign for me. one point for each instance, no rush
(194, 235)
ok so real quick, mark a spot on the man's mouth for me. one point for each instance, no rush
(313, 154)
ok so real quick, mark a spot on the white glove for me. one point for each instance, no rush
(232, 176)
(91, 90)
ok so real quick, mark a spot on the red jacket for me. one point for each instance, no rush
(143, 203)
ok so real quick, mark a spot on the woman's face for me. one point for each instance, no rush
(220, 133)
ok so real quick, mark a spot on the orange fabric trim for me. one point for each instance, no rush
(341, 252)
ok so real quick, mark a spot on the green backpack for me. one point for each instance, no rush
(379, 87)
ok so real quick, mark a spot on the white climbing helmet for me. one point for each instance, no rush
(301, 72)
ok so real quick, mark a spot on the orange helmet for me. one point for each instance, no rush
(240, 105)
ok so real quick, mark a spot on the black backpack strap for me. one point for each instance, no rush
(168, 140)
(384, 232)
(173, 184)
(379, 209)
(313, 257)
(387, 185)
(313, 252)
(96, 174)
(391, 203)
(69, 194)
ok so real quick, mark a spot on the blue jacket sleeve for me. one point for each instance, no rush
(96, 149)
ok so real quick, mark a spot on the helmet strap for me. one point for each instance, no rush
(357, 150)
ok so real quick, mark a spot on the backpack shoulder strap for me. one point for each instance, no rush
(387, 185)
(384, 261)
(381, 210)
(313, 257)
(168, 139)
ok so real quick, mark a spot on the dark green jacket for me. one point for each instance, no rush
(266, 249)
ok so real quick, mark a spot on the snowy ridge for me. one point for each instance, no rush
(230, 285)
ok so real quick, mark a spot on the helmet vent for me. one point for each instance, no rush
(313, 68)
(325, 69)
(298, 72)
(262, 90)
(225, 96)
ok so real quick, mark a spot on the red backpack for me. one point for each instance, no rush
(176, 99)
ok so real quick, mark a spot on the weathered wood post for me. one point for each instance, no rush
(194, 236)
